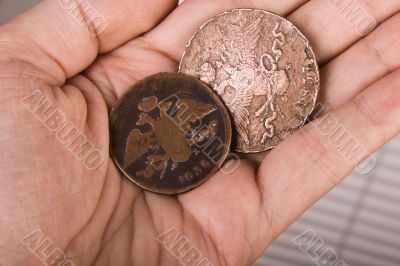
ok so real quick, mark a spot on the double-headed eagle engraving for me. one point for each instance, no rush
(251, 77)
(169, 139)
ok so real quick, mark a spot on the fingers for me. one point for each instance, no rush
(323, 153)
(333, 26)
(161, 48)
(370, 59)
(115, 72)
(172, 35)
(63, 37)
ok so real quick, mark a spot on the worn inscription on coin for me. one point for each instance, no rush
(264, 69)
(169, 133)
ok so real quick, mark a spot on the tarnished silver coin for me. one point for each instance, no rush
(264, 69)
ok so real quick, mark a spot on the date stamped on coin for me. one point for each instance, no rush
(170, 132)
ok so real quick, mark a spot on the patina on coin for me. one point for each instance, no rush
(264, 69)
(169, 133)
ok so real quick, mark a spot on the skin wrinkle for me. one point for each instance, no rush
(185, 216)
(370, 9)
(23, 76)
(15, 59)
(109, 94)
(56, 61)
(367, 41)
(178, 226)
(133, 230)
(110, 88)
(40, 193)
(160, 254)
(318, 152)
(356, 40)
(140, 14)
(206, 234)
(104, 241)
(88, 133)
(375, 122)
(88, 223)
(295, 7)
(20, 63)
(111, 238)
(114, 87)
(148, 45)
(96, 41)
(378, 54)
(63, 70)
(153, 220)
(263, 206)
(247, 242)
(204, 231)
(13, 97)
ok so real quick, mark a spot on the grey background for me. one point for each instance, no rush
(10, 8)
(359, 220)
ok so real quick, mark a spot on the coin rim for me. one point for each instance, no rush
(228, 133)
(307, 43)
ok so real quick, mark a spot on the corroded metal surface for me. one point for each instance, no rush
(169, 133)
(264, 69)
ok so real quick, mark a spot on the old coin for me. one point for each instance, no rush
(264, 69)
(169, 133)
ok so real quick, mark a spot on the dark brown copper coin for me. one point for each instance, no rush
(264, 69)
(170, 133)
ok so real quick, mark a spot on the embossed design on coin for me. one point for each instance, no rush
(264, 69)
(169, 133)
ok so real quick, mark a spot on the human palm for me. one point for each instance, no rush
(97, 216)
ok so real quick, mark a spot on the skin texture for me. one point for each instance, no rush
(97, 217)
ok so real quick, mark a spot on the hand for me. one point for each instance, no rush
(98, 216)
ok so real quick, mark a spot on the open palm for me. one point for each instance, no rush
(98, 217)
